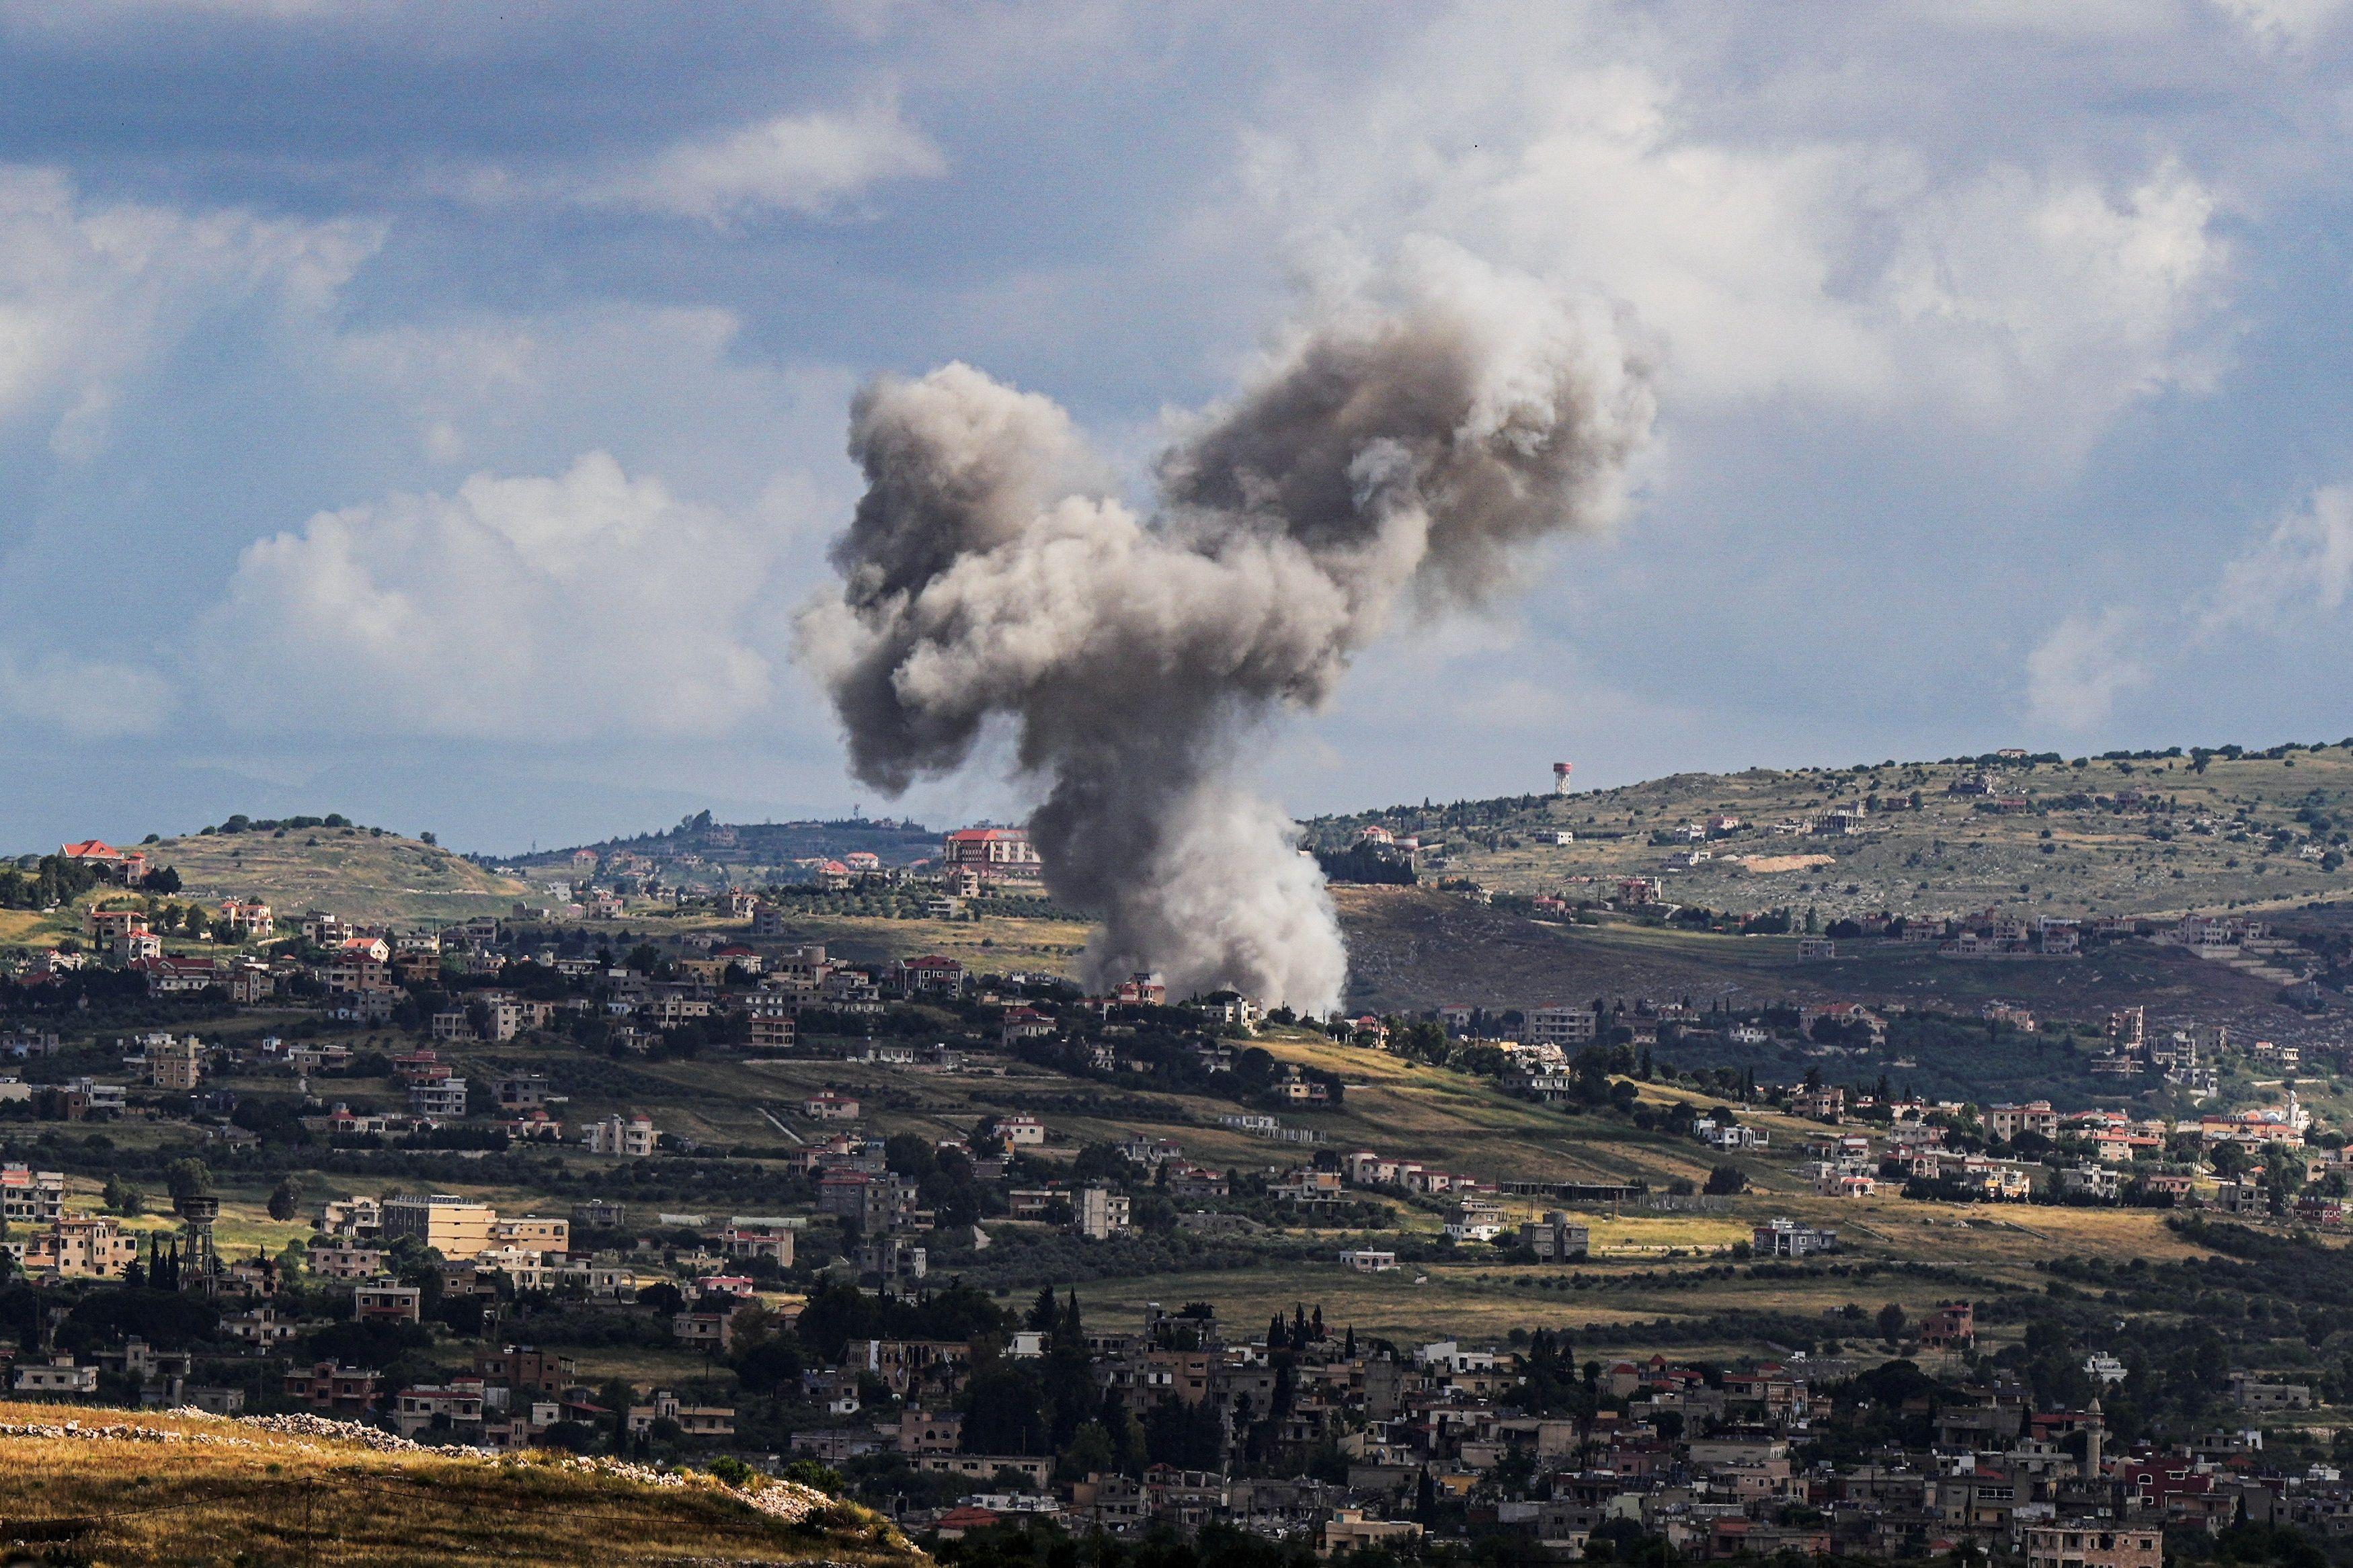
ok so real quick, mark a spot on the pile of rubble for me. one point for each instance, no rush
(786, 1500)
(116, 1431)
(370, 1438)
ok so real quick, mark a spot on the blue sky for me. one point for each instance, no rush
(435, 412)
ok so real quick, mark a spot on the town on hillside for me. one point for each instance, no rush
(476, 1184)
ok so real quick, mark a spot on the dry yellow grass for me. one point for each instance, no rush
(138, 1488)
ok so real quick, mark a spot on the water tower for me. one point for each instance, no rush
(1560, 772)
(200, 1211)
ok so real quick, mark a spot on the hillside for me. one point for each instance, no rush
(700, 850)
(360, 873)
(2139, 833)
(106, 1487)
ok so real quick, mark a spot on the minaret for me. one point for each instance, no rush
(2094, 1426)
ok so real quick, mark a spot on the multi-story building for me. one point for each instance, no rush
(381, 1304)
(2093, 1543)
(338, 1390)
(632, 1137)
(532, 1232)
(77, 1246)
(444, 1099)
(521, 1367)
(993, 854)
(175, 1065)
(1098, 1212)
(343, 1262)
(31, 1197)
(456, 1228)
(1569, 1028)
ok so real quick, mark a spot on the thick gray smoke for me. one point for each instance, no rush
(1405, 446)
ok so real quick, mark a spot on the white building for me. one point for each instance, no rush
(632, 1137)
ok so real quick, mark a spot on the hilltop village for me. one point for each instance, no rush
(263, 1163)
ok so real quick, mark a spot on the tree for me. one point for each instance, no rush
(1727, 1181)
(1891, 1322)
(122, 1197)
(188, 1177)
(286, 1200)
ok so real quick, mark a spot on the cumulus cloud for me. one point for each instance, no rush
(2075, 677)
(90, 291)
(2304, 563)
(1825, 249)
(546, 609)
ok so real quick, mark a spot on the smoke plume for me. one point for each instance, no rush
(1403, 449)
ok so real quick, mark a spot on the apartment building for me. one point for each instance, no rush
(456, 1228)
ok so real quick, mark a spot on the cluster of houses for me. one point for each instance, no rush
(514, 1395)
(2115, 1152)
(1442, 1435)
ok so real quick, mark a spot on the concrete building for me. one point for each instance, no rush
(455, 1227)
(2093, 1543)
(1787, 1238)
(1555, 1236)
(1097, 1212)
(175, 1064)
(444, 1100)
(631, 1138)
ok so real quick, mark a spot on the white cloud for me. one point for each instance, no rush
(1826, 246)
(86, 698)
(2075, 677)
(2304, 563)
(2060, 287)
(669, 389)
(532, 609)
(2286, 23)
(90, 291)
(802, 164)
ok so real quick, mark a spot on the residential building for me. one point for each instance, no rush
(993, 854)
(333, 1390)
(55, 1378)
(1789, 1238)
(375, 1302)
(31, 1197)
(716, 1421)
(456, 1228)
(2094, 1543)
(442, 1099)
(1096, 1213)
(631, 1137)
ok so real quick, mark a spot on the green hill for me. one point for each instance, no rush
(2144, 833)
(360, 873)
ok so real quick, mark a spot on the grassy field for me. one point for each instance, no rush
(140, 1489)
(352, 872)
(1945, 857)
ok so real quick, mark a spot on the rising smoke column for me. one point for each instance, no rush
(1403, 448)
